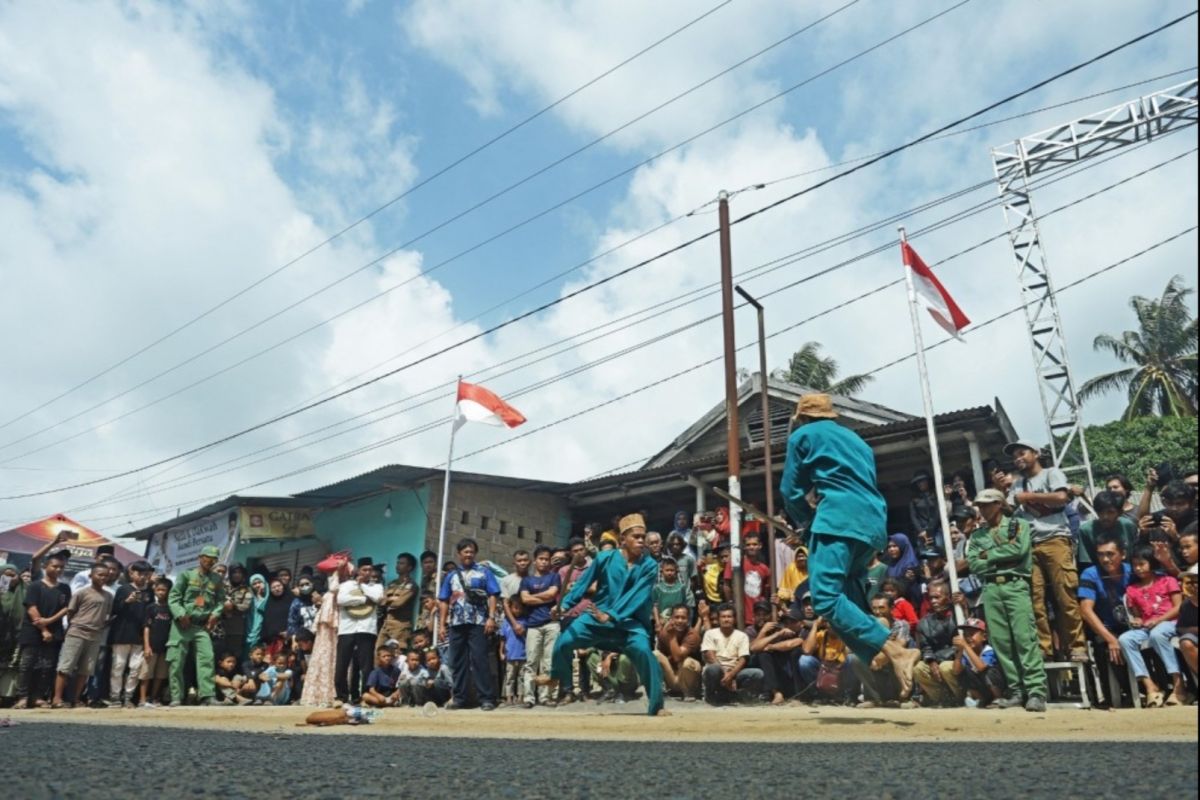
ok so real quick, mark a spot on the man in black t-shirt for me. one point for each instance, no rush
(156, 630)
(125, 637)
(41, 633)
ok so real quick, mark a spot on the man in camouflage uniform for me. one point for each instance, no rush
(399, 604)
(196, 600)
(1000, 554)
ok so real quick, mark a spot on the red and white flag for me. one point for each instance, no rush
(477, 404)
(933, 295)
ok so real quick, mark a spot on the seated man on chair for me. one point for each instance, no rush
(1101, 602)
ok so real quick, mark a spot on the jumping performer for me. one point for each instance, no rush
(619, 619)
(829, 480)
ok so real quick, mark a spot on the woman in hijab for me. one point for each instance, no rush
(319, 688)
(795, 577)
(275, 618)
(722, 523)
(681, 526)
(254, 617)
(903, 564)
(12, 609)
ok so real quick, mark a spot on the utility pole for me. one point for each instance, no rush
(733, 439)
(766, 415)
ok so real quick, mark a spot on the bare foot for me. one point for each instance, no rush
(903, 660)
(662, 712)
(778, 699)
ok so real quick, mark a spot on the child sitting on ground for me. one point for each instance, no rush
(382, 690)
(275, 682)
(228, 680)
(977, 667)
(413, 676)
(902, 609)
(512, 650)
(253, 668)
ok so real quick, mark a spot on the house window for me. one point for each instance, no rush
(466, 518)
(537, 536)
(483, 523)
(520, 531)
(503, 527)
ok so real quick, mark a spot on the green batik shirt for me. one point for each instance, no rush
(197, 596)
(992, 552)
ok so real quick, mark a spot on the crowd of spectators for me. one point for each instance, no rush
(1113, 579)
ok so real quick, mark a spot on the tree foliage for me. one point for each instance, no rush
(807, 367)
(1161, 377)
(1130, 447)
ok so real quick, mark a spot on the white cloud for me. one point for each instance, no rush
(158, 190)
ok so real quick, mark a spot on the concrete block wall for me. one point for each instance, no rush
(500, 519)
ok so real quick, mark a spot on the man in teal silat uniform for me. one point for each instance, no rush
(619, 619)
(829, 479)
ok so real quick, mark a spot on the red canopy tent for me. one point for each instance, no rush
(28, 539)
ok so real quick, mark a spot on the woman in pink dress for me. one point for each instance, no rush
(318, 681)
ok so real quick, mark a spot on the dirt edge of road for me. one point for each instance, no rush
(687, 723)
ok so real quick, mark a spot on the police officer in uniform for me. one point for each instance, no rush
(399, 604)
(1000, 554)
(196, 601)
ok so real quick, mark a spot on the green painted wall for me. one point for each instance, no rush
(363, 529)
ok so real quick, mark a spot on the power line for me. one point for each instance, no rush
(461, 214)
(514, 394)
(988, 124)
(680, 373)
(425, 181)
(602, 281)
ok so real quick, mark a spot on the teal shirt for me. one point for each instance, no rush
(623, 591)
(1090, 533)
(835, 461)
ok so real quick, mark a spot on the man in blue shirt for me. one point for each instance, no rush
(829, 478)
(1101, 596)
(467, 602)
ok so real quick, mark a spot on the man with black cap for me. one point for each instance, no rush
(829, 478)
(197, 601)
(1000, 555)
(357, 599)
(1040, 495)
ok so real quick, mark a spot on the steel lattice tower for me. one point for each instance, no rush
(1134, 122)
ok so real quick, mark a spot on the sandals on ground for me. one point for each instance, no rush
(1155, 700)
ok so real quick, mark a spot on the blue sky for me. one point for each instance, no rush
(155, 159)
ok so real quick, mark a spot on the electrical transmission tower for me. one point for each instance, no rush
(1134, 122)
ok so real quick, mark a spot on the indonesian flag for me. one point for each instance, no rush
(477, 404)
(933, 295)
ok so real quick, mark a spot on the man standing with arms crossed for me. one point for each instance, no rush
(1040, 496)
(196, 601)
(1000, 555)
(829, 478)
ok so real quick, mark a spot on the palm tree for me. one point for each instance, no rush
(1161, 377)
(808, 367)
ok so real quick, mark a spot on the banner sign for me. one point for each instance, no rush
(259, 523)
(177, 549)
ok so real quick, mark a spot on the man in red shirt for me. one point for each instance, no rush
(756, 575)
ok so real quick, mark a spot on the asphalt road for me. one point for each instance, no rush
(75, 761)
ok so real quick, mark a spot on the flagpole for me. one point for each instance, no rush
(441, 556)
(930, 430)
